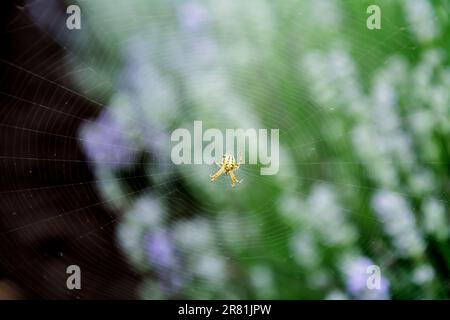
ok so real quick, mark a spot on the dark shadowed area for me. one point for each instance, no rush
(50, 215)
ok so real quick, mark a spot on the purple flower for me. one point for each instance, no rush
(192, 15)
(159, 249)
(106, 143)
(162, 257)
(358, 273)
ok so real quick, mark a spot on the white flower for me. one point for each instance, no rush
(261, 278)
(421, 19)
(399, 222)
(147, 212)
(304, 249)
(336, 295)
(423, 274)
(323, 14)
(211, 268)
(327, 218)
(194, 235)
(292, 208)
(434, 218)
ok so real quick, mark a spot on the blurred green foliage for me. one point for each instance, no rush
(364, 132)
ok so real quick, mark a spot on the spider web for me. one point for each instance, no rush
(247, 223)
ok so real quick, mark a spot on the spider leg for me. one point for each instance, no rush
(234, 179)
(217, 174)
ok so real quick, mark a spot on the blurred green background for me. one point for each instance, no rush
(364, 144)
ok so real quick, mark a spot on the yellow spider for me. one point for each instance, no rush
(227, 166)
